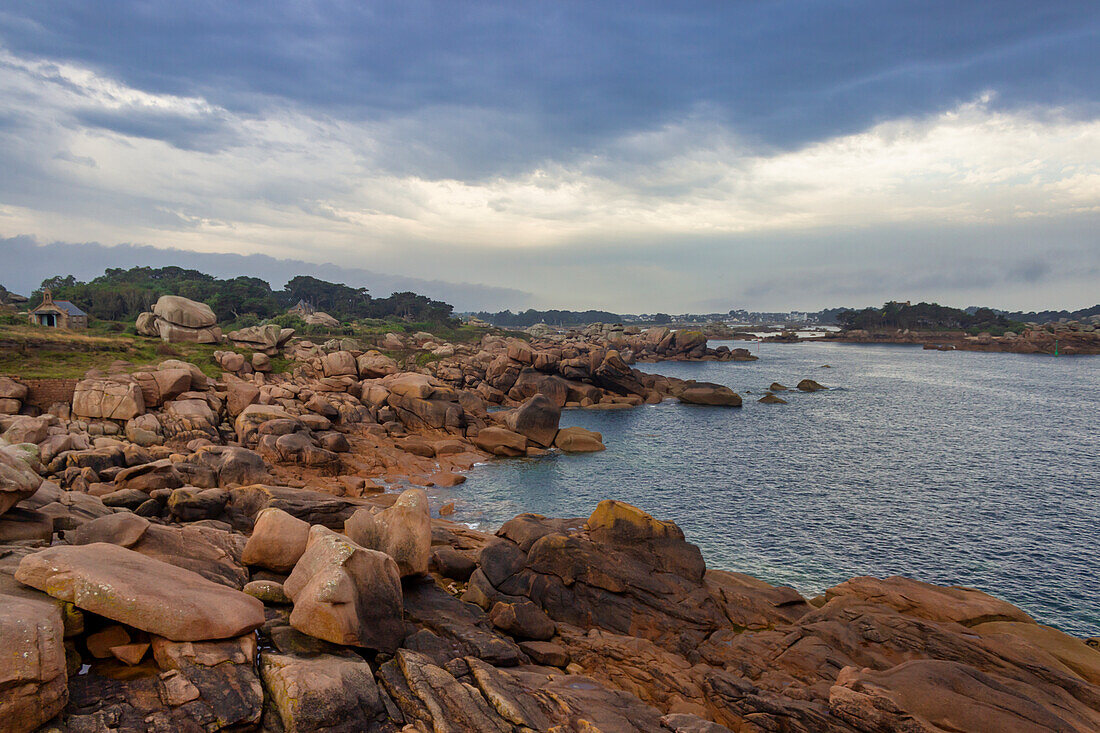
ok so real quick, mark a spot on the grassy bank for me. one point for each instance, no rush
(44, 353)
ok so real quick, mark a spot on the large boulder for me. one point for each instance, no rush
(213, 553)
(374, 364)
(184, 312)
(501, 442)
(12, 390)
(685, 342)
(536, 419)
(162, 385)
(612, 373)
(144, 430)
(18, 479)
(24, 429)
(224, 465)
(265, 339)
(331, 692)
(187, 419)
(320, 318)
(240, 395)
(339, 364)
(402, 531)
(346, 594)
(150, 595)
(33, 679)
(578, 440)
(146, 324)
(298, 448)
(103, 399)
(277, 542)
(175, 333)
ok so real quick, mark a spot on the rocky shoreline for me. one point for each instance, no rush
(181, 553)
(1058, 338)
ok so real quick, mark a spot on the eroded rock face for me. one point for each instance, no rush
(33, 684)
(194, 686)
(18, 480)
(148, 594)
(323, 692)
(402, 531)
(626, 572)
(346, 594)
(102, 399)
(162, 385)
(934, 695)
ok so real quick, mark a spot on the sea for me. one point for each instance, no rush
(956, 468)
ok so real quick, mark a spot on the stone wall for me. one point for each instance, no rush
(45, 392)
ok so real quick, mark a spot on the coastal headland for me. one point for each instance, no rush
(1053, 339)
(243, 542)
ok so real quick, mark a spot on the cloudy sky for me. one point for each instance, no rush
(766, 154)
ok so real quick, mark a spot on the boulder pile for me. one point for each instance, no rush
(295, 615)
(266, 339)
(256, 552)
(175, 318)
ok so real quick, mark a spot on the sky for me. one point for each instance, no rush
(634, 157)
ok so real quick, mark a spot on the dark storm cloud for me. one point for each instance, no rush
(559, 79)
(205, 134)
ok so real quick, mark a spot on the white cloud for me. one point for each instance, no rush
(288, 183)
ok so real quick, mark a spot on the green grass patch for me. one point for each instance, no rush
(39, 353)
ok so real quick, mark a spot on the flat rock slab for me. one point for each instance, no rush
(136, 590)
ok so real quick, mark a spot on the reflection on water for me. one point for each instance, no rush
(951, 467)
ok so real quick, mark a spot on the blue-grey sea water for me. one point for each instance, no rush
(951, 467)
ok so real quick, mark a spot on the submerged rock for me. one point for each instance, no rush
(705, 393)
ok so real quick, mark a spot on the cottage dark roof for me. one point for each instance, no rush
(69, 308)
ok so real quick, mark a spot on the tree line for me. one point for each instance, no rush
(529, 317)
(925, 317)
(120, 295)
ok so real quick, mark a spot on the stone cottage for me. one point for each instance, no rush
(58, 313)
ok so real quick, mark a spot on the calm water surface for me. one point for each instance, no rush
(950, 467)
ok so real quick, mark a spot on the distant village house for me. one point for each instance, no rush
(58, 313)
(302, 310)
